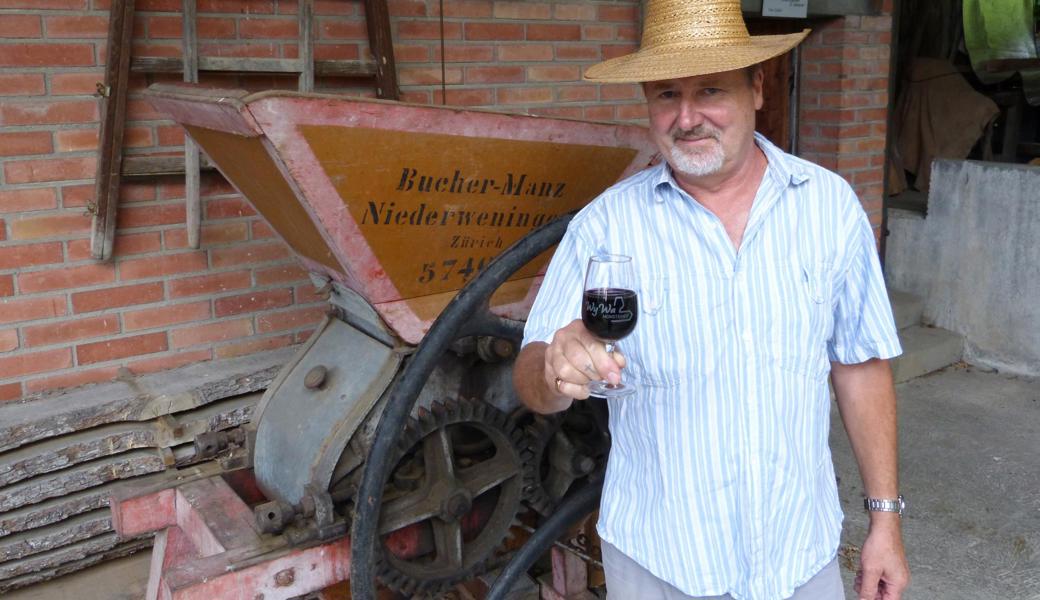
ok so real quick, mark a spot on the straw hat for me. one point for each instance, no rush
(683, 38)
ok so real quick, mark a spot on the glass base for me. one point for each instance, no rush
(609, 390)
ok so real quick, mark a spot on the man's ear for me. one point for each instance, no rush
(757, 80)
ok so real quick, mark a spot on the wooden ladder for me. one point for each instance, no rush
(112, 166)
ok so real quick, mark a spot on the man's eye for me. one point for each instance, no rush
(668, 94)
(711, 91)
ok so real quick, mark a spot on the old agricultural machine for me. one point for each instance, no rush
(392, 447)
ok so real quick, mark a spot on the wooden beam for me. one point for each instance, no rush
(150, 165)
(145, 166)
(1009, 64)
(110, 145)
(377, 16)
(334, 68)
(193, 202)
(306, 83)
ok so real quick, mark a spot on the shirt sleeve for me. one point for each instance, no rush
(863, 324)
(559, 297)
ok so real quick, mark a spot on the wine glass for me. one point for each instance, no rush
(609, 309)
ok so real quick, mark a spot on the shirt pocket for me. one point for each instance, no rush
(671, 341)
(799, 338)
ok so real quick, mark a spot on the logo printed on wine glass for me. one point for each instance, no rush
(615, 311)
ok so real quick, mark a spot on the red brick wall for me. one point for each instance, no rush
(66, 320)
(844, 102)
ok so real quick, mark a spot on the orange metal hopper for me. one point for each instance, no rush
(403, 203)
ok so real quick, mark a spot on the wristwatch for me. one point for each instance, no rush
(884, 505)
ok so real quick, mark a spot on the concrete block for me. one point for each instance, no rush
(926, 349)
(976, 259)
(907, 308)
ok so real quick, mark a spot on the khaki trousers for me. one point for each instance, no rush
(627, 580)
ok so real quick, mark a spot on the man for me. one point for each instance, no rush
(758, 275)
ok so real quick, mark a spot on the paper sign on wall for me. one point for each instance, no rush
(794, 9)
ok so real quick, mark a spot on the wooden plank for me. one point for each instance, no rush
(306, 83)
(281, 573)
(154, 395)
(52, 511)
(56, 559)
(192, 199)
(147, 166)
(59, 453)
(212, 515)
(345, 68)
(381, 41)
(148, 513)
(110, 144)
(74, 530)
(71, 561)
(328, 68)
(1009, 64)
(88, 475)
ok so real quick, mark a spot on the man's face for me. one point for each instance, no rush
(704, 125)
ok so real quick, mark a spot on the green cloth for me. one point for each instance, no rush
(999, 29)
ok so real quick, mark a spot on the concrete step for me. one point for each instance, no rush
(906, 307)
(926, 349)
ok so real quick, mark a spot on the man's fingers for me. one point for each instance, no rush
(607, 365)
(574, 358)
(868, 584)
(570, 373)
(573, 390)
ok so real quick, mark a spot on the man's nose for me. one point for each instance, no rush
(690, 114)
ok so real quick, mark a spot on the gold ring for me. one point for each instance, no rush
(558, 382)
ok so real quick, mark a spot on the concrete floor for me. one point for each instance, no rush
(970, 470)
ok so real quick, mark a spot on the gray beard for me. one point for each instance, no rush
(698, 165)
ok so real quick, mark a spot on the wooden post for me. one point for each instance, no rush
(306, 83)
(193, 203)
(377, 16)
(110, 145)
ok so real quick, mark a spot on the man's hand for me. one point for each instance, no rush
(575, 357)
(867, 401)
(884, 573)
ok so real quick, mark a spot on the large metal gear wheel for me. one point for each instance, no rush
(540, 432)
(564, 448)
(468, 314)
(451, 498)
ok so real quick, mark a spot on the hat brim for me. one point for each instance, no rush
(686, 60)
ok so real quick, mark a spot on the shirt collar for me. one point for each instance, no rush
(784, 170)
(781, 169)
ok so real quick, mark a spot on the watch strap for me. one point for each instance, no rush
(885, 505)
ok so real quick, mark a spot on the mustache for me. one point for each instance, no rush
(700, 131)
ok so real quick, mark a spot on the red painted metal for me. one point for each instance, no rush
(134, 516)
(206, 547)
(569, 579)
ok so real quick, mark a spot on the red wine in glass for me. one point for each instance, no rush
(610, 314)
(610, 309)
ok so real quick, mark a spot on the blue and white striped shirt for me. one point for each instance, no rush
(720, 477)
